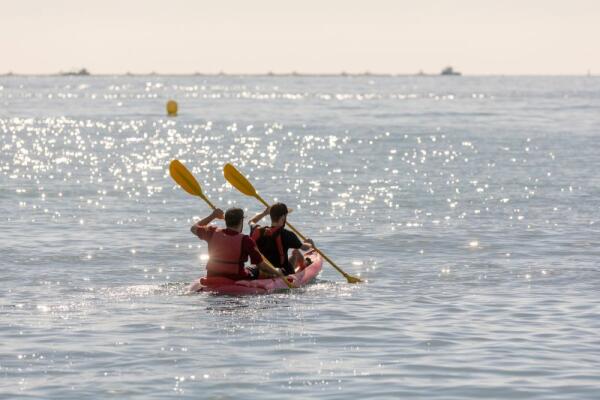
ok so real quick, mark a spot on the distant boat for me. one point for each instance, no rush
(81, 72)
(450, 71)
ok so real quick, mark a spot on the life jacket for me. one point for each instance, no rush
(266, 238)
(225, 255)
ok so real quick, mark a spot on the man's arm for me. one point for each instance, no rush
(216, 214)
(258, 217)
(308, 244)
(293, 241)
(249, 246)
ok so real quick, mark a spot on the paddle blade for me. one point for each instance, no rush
(238, 181)
(184, 178)
(352, 279)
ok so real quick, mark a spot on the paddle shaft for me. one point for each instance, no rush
(239, 181)
(304, 238)
(207, 202)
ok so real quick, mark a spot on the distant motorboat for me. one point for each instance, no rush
(81, 72)
(450, 71)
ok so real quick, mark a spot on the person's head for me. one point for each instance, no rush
(234, 219)
(278, 214)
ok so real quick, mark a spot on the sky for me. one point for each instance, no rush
(546, 37)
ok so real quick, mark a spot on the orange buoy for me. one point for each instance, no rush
(172, 108)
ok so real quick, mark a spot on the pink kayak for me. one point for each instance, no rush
(260, 286)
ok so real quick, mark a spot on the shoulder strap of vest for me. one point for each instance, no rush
(270, 231)
(275, 234)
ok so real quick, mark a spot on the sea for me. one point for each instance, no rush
(469, 206)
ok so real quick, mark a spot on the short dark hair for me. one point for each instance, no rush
(277, 211)
(233, 217)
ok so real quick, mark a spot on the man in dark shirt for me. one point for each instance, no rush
(275, 241)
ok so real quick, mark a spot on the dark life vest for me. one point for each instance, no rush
(268, 240)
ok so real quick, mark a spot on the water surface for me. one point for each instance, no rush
(469, 204)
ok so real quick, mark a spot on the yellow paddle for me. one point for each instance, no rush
(239, 181)
(186, 180)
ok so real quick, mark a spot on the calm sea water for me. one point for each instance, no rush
(470, 204)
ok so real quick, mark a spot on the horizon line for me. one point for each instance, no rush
(285, 74)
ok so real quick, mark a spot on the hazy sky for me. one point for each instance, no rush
(256, 36)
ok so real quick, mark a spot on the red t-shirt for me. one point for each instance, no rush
(205, 233)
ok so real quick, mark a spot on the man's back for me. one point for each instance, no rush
(274, 244)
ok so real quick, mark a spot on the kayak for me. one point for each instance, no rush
(221, 285)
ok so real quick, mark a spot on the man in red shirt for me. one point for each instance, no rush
(228, 248)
